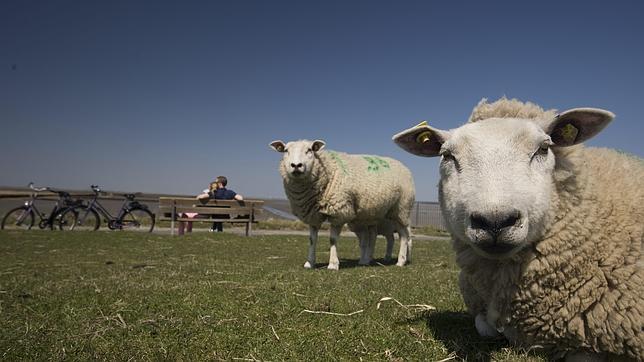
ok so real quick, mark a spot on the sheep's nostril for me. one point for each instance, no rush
(511, 219)
(478, 221)
(496, 221)
(297, 168)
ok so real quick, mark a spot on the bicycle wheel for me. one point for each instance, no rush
(51, 222)
(79, 218)
(137, 219)
(55, 220)
(20, 218)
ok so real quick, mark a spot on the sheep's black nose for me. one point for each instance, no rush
(495, 222)
(296, 166)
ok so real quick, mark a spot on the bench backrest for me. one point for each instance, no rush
(170, 205)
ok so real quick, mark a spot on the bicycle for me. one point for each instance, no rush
(24, 217)
(131, 216)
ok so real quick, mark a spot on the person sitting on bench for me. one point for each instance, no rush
(218, 191)
(187, 225)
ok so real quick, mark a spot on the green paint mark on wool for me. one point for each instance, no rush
(339, 161)
(376, 164)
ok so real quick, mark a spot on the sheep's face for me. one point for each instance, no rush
(497, 175)
(496, 184)
(299, 157)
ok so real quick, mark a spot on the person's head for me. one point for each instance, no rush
(212, 186)
(221, 181)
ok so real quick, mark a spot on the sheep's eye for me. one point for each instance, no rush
(447, 156)
(309, 151)
(542, 151)
(543, 148)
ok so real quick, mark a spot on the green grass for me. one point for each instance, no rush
(281, 224)
(121, 296)
(428, 230)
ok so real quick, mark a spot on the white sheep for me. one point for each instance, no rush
(340, 188)
(547, 233)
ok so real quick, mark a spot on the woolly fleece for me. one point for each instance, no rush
(348, 188)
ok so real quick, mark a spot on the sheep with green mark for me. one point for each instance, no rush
(362, 191)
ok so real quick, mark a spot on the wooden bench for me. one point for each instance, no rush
(171, 208)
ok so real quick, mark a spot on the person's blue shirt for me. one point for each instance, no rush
(222, 194)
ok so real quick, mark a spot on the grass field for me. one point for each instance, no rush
(121, 296)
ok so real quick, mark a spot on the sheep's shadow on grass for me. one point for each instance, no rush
(457, 333)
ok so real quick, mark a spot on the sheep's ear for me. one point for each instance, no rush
(317, 145)
(278, 146)
(577, 125)
(422, 140)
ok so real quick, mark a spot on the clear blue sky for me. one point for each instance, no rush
(162, 97)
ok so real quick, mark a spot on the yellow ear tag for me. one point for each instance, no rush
(424, 137)
(569, 133)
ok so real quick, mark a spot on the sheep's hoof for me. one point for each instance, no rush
(307, 265)
(484, 329)
(364, 263)
(401, 263)
(334, 266)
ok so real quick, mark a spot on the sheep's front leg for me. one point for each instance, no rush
(334, 262)
(484, 328)
(404, 254)
(313, 239)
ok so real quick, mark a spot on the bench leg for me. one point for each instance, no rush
(247, 229)
(173, 216)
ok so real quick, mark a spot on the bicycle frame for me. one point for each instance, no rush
(96, 205)
(44, 220)
(31, 207)
(105, 214)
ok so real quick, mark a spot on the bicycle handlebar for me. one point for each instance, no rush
(37, 189)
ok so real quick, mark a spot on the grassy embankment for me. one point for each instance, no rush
(119, 295)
